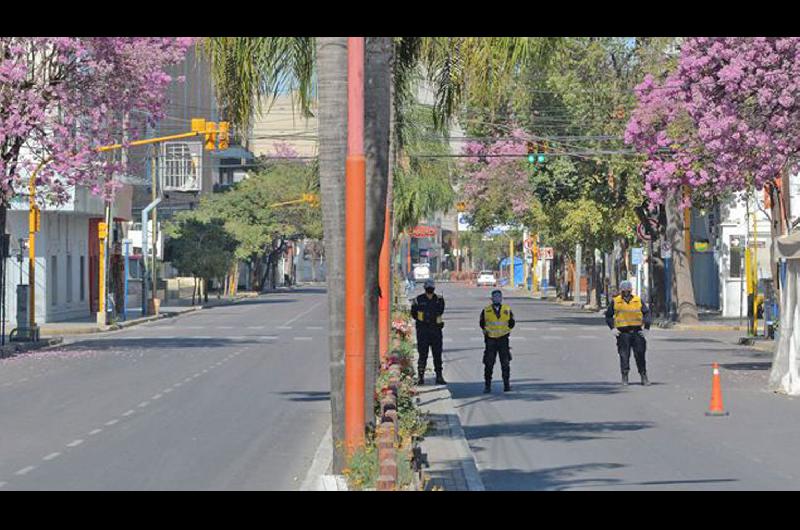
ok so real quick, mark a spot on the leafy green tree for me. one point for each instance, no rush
(201, 248)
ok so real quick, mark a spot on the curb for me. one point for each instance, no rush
(320, 465)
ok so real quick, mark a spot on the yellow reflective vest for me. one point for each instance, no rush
(495, 326)
(627, 313)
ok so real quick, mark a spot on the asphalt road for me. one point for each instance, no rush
(228, 398)
(568, 425)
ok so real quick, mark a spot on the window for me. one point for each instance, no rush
(83, 296)
(54, 280)
(69, 279)
(736, 256)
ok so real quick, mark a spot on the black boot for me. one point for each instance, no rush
(624, 378)
(487, 387)
(439, 379)
(506, 385)
(645, 380)
(421, 378)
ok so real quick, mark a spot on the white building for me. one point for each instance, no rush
(67, 252)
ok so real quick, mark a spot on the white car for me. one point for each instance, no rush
(487, 278)
(422, 272)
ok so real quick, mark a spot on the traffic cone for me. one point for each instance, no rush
(715, 407)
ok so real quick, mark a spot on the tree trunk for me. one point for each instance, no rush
(377, 77)
(332, 94)
(684, 290)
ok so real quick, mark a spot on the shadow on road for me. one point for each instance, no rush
(556, 431)
(530, 390)
(765, 365)
(309, 395)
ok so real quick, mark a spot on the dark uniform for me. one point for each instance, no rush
(427, 313)
(628, 317)
(496, 334)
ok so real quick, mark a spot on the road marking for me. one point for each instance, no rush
(157, 396)
(301, 314)
(255, 327)
(143, 404)
(528, 329)
(466, 329)
(96, 431)
(51, 456)
(588, 336)
(557, 329)
(549, 337)
(475, 339)
(112, 422)
(521, 339)
(75, 443)
(25, 470)
(204, 371)
(224, 327)
(303, 338)
(268, 337)
(24, 379)
(447, 340)
(167, 390)
(187, 379)
(315, 327)
(284, 327)
(128, 413)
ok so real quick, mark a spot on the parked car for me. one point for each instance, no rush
(487, 278)
(422, 272)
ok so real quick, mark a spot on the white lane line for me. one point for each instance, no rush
(128, 413)
(557, 329)
(143, 404)
(165, 327)
(303, 338)
(112, 422)
(167, 390)
(51, 456)
(549, 337)
(301, 314)
(192, 327)
(588, 336)
(95, 431)
(447, 340)
(25, 470)
(255, 327)
(315, 327)
(528, 329)
(224, 327)
(284, 327)
(204, 371)
(157, 396)
(24, 379)
(268, 337)
(518, 338)
(475, 339)
(176, 385)
(75, 443)
(466, 329)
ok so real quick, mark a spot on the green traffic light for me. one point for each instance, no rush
(541, 159)
(531, 159)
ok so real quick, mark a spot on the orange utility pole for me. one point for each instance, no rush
(355, 255)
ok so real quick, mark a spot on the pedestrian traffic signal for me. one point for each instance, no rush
(211, 135)
(224, 134)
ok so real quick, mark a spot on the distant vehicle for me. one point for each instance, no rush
(487, 278)
(422, 272)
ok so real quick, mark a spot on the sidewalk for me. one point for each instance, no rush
(450, 463)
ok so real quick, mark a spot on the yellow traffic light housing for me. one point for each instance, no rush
(198, 125)
(211, 136)
(224, 134)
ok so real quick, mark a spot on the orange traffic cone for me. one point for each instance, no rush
(715, 408)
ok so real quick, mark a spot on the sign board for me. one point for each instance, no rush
(637, 255)
(528, 244)
(423, 231)
(666, 249)
(701, 246)
(463, 222)
(545, 252)
(102, 230)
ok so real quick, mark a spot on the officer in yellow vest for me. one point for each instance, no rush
(497, 321)
(427, 310)
(626, 316)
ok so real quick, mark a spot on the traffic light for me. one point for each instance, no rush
(545, 149)
(531, 152)
(211, 135)
(224, 134)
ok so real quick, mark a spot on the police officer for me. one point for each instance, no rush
(625, 316)
(427, 310)
(497, 321)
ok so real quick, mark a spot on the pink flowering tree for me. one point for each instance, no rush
(497, 188)
(727, 118)
(62, 97)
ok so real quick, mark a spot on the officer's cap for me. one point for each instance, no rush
(430, 283)
(497, 291)
(625, 285)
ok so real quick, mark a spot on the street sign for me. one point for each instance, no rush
(666, 249)
(528, 244)
(641, 229)
(545, 252)
(637, 255)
